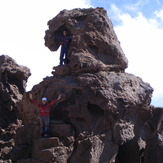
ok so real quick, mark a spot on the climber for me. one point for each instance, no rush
(65, 43)
(44, 112)
(65, 40)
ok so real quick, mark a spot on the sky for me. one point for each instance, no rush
(137, 23)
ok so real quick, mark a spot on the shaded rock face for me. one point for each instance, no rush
(94, 46)
(104, 115)
(13, 78)
(154, 137)
(147, 145)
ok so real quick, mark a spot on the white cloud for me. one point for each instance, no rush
(159, 14)
(135, 6)
(141, 40)
(23, 25)
(157, 100)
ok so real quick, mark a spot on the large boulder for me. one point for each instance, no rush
(94, 46)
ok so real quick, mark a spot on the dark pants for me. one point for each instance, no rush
(63, 55)
(44, 122)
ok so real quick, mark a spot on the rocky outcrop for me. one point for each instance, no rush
(94, 46)
(104, 114)
(99, 113)
(13, 79)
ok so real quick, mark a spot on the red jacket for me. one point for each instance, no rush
(44, 109)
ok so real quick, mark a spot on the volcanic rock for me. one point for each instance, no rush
(13, 79)
(104, 114)
(94, 46)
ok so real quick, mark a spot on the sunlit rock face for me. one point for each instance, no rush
(104, 114)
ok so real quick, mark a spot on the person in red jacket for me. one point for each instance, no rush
(44, 111)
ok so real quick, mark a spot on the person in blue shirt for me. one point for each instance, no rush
(65, 43)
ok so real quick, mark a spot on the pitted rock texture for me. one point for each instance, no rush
(104, 114)
(98, 111)
(13, 79)
(94, 46)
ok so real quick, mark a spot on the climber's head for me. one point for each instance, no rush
(44, 100)
(64, 33)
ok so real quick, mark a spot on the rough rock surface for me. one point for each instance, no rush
(94, 46)
(13, 78)
(104, 115)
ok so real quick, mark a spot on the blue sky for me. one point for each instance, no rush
(137, 23)
(132, 7)
(145, 6)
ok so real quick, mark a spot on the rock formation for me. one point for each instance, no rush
(94, 47)
(104, 115)
(13, 78)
